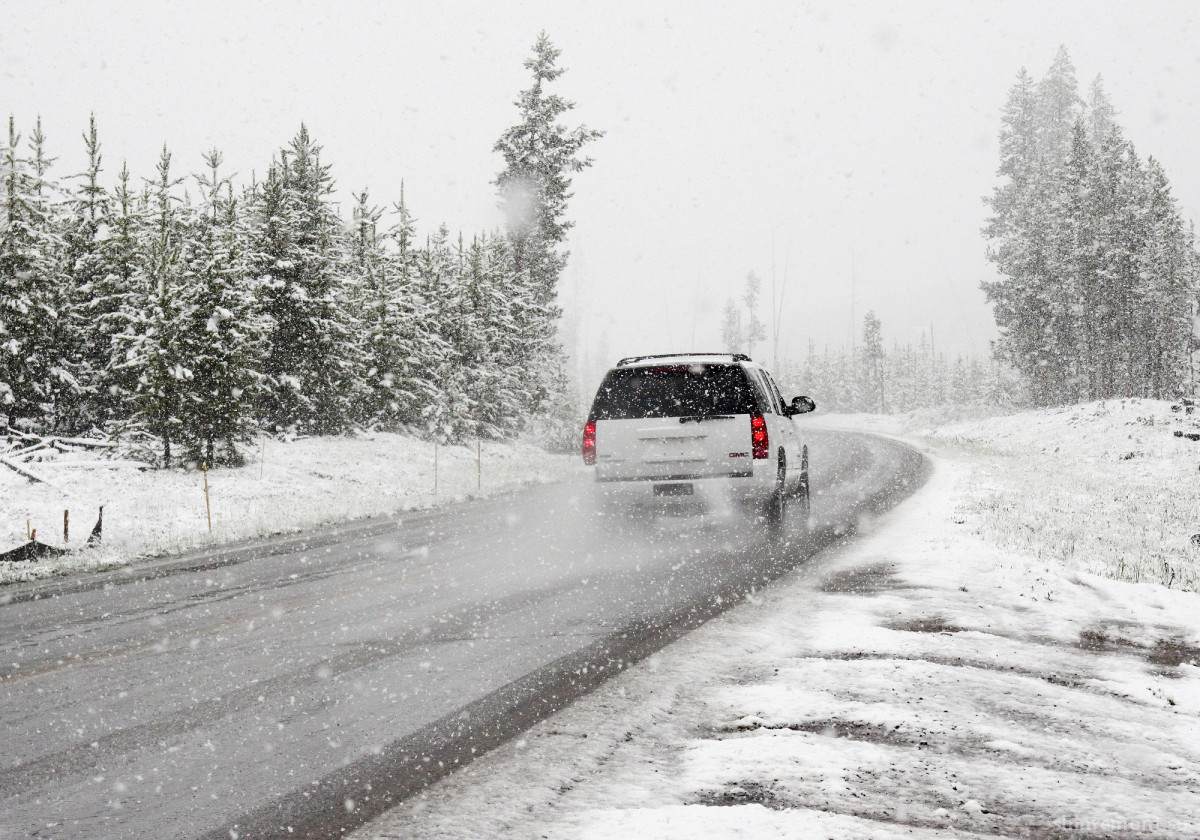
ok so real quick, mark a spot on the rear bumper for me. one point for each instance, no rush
(682, 491)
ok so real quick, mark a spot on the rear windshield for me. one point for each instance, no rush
(673, 391)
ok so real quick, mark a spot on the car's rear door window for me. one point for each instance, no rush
(673, 391)
(766, 397)
(779, 400)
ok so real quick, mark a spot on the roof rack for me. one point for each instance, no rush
(737, 357)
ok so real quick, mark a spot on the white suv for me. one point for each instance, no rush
(710, 428)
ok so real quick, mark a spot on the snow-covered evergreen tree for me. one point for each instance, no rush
(33, 372)
(1084, 292)
(121, 304)
(398, 341)
(151, 340)
(871, 360)
(218, 330)
(1168, 276)
(296, 263)
(540, 155)
(755, 330)
(447, 416)
(732, 334)
(97, 290)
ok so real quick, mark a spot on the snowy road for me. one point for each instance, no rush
(300, 693)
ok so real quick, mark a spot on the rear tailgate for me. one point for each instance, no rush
(673, 448)
(673, 422)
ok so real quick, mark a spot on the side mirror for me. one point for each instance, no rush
(801, 405)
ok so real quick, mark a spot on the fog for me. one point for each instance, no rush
(840, 151)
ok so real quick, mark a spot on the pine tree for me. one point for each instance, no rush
(503, 395)
(1088, 300)
(97, 289)
(755, 329)
(872, 360)
(540, 155)
(397, 335)
(732, 335)
(411, 350)
(367, 281)
(295, 261)
(31, 367)
(218, 330)
(122, 303)
(1168, 272)
(447, 416)
(151, 342)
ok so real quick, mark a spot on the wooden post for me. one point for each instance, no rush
(27, 530)
(66, 526)
(478, 464)
(262, 457)
(435, 468)
(207, 507)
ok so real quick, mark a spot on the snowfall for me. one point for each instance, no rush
(1013, 651)
(972, 665)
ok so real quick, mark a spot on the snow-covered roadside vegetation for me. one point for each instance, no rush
(285, 486)
(946, 674)
(1105, 487)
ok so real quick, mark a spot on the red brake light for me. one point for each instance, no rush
(589, 444)
(758, 436)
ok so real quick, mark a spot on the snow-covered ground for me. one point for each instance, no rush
(285, 486)
(960, 670)
(1106, 487)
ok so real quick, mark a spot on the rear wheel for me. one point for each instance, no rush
(803, 491)
(777, 503)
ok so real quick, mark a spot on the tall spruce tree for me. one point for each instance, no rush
(540, 156)
(150, 344)
(31, 365)
(296, 262)
(1168, 276)
(97, 288)
(62, 388)
(732, 333)
(218, 330)
(755, 330)
(126, 281)
(872, 361)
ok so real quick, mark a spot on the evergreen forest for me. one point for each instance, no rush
(1098, 271)
(192, 313)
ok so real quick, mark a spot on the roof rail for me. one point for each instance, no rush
(737, 357)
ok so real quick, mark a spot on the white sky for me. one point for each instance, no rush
(859, 137)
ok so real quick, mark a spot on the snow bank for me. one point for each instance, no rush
(1105, 487)
(286, 486)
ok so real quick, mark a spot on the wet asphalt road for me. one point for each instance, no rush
(299, 687)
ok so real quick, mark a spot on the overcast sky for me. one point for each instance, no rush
(842, 146)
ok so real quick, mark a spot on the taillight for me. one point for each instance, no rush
(589, 444)
(758, 436)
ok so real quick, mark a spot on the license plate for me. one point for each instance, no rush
(672, 489)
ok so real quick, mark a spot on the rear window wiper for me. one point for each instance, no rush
(700, 418)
